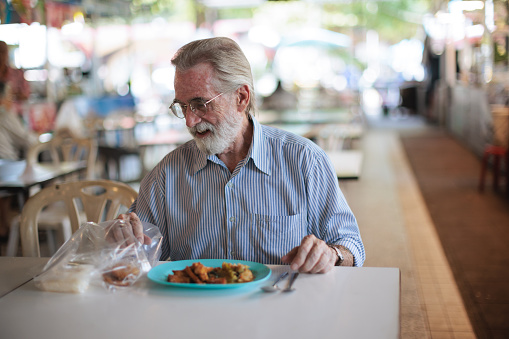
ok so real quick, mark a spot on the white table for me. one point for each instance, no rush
(15, 271)
(20, 178)
(17, 178)
(347, 163)
(305, 116)
(345, 303)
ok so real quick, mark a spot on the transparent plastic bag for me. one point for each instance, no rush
(106, 253)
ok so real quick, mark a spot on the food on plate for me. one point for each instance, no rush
(197, 273)
(122, 274)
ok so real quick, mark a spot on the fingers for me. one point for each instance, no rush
(302, 257)
(288, 258)
(326, 262)
(146, 240)
(114, 233)
(124, 217)
(119, 231)
(312, 256)
(136, 227)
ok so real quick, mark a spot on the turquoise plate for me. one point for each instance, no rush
(159, 274)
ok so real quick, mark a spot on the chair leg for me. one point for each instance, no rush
(50, 235)
(507, 172)
(483, 172)
(13, 242)
(66, 229)
(496, 167)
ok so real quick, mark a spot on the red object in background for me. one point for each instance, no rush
(24, 10)
(58, 14)
(499, 154)
(41, 117)
(19, 87)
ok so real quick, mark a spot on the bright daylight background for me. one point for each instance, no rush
(304, 44)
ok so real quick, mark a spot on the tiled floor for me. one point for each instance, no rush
(472, 226)
(397, 231)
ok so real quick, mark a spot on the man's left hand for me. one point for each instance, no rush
(312, 256)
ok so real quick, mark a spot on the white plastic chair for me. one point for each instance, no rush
(65, 147)
(62, 147)
(98, 200)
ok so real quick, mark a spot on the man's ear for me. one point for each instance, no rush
(243, 96)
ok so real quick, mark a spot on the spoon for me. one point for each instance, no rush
(274, 287)
(288, 287)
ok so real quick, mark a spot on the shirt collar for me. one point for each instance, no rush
(257, 152)
(201, 159)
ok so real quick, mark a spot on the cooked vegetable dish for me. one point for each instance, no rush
(197, 273)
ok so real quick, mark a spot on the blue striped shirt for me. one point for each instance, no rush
(285, 189)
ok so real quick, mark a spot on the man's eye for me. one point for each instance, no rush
(199, 106)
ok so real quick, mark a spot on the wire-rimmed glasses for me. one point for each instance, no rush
(197, 106)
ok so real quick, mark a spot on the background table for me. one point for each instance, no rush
(345, 303)
(18, 179)
(296, 116)
(347, 163)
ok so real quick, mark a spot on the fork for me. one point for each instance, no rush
(288, 287)
(273, 287)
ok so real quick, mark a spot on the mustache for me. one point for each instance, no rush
(201, 127)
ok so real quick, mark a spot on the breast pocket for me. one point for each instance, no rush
(274, 236)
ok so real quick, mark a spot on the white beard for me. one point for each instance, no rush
(222, 135)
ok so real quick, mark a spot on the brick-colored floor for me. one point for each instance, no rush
(473, 227)
(419, 209)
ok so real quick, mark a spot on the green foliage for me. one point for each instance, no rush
(393, 20)
(180, 10)
(236, 13)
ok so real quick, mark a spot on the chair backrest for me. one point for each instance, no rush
(100, 200)
(65, 147)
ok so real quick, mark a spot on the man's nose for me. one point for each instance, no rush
(191, 118)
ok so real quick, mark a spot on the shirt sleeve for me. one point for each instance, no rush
(149, 205)
(18, 137)
(329, 216)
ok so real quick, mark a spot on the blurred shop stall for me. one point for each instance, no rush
(103, 67)
(92, 69)
(468, 71)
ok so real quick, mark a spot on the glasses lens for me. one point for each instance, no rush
(199, 108)
(178, 110)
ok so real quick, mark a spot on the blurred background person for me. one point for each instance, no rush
(15, 138)
(17, 88)
(14, 141)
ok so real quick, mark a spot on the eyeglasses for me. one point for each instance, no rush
(197, 106)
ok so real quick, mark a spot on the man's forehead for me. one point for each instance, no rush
(196, 82)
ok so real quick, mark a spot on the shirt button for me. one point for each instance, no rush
(232, 219)
(230, 184)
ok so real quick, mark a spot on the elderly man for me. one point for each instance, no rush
(240, 190)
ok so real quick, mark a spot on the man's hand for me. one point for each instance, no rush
(312, 256)
(135, 222)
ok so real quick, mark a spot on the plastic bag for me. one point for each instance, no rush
(106, 253)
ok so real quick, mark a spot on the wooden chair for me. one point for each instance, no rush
(100, 200)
